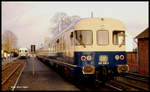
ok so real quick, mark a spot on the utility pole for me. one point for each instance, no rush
(91, 14)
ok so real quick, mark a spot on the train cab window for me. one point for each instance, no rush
(102, 37)
(118, 37)
(83, 37)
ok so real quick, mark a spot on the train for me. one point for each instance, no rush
(23, 53)
(90, 48)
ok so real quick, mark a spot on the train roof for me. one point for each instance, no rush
(100, 23)
(23, 49)
(79, 21)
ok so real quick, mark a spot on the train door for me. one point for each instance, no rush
(71, 46)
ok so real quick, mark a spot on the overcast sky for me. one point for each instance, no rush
(30, 21)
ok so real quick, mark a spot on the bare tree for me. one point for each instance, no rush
(61, 21)
(10, 40)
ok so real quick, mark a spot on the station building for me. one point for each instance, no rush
(143, 52)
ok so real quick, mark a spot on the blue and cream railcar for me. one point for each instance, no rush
(91, 47)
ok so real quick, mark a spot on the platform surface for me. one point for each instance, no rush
(43, 78)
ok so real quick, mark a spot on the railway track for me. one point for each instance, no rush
(99, 86)
(14, 86)
(135, 86)
(9, 65)
(140, 75)
(10, 74)
(137, 77)
(131, 82)
(113, 85)
(120, 86)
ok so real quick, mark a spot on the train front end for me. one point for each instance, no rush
(104, 65)
(100, 48)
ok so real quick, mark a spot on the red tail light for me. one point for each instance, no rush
(83, 58)
(121, 57)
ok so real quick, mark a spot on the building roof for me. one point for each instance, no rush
(144, 34)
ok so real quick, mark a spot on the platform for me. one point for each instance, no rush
(38, 76)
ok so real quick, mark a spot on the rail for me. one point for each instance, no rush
(5, 80)
(120, 86)
(133, 86)
(18, 78)
(137, 78)
(136, 74)
(3, 69)
(113, 87)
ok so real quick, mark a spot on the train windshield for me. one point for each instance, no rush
(118, 37)
(83, 37)
(102, 37)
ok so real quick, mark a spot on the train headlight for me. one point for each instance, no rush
(122, 57)
(88, 69)
(89, 58)
(103, 59)
(83, 58)
(117, 57)
(123, 68)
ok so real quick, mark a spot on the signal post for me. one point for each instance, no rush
(33, 57)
